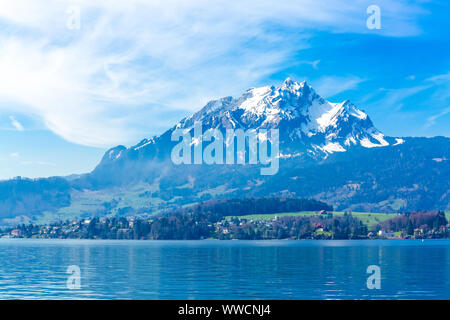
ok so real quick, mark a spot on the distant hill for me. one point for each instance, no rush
(21, 197)
(240, 207)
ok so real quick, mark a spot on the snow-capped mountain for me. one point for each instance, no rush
(308, 124)
(318, 139)
(330, 151)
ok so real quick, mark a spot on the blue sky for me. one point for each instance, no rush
(131, 69)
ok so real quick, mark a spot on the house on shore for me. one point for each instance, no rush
(386, 234)
(16, 233)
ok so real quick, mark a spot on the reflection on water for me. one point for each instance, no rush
(410, 269)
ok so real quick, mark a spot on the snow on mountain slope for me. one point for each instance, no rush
(308, 124)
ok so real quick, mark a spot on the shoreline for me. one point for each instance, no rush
(220, 240)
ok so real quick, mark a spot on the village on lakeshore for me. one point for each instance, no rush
(320, 225)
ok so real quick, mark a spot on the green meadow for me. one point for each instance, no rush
(371, 219)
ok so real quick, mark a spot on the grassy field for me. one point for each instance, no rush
(371, 219)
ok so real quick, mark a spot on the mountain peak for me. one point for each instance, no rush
(288, 81)
(292, 85)
(307, 123)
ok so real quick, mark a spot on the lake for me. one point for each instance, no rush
(115, 269)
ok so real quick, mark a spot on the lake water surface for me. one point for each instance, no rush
(410, 269)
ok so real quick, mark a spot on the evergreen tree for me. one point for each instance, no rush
(409, 228)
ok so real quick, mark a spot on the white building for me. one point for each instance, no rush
(386, 234)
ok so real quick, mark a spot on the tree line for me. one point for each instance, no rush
(248, 206)
(423, 220)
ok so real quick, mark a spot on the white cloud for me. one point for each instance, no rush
(14, 155)
(98, 85)
(16, 124)
(329, 86)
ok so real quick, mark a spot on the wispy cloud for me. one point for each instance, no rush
(16, 124)
(393, 98)
(132, 62)
(314, 64)
(439, 78)
(409, 102)
(442, 83)
(330, 86)
(432, 120)
(37, 163)
(441, 96)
